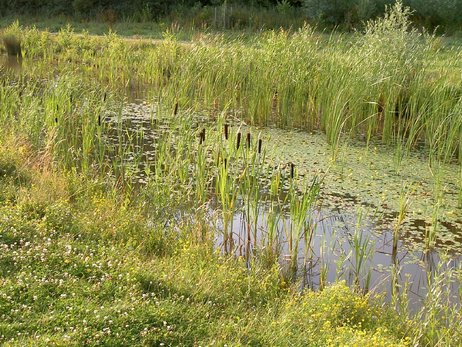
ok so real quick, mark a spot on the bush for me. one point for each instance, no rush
(430, 13)
(433, 13)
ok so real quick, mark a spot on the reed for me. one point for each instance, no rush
(300, 228)
(439, 319)
(403, 210)
(362, 251)
(398, 299)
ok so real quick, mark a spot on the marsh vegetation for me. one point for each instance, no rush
(268, 169)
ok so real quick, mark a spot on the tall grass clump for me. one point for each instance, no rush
(382, 83)
(439, 320)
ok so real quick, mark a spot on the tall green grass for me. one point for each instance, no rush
(383, 84)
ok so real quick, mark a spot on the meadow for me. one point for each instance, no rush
(207, 188)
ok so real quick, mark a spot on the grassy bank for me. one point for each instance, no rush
(80, 265)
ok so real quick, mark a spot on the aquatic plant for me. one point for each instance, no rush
(361, 251)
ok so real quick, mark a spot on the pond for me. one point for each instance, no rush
(349, 231)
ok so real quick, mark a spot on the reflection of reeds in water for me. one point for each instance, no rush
(362, 251)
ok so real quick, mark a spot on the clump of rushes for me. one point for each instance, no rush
(351, 90)
(403, 210)
(362, 251)
(300, 227)
(226, 187)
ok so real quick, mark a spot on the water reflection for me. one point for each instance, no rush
(329, 255)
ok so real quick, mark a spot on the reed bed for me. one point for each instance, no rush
(382, 84)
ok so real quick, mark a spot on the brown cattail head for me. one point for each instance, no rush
(260, 142)
(292, 170)
(226, 163)
(99, 120)
(248, 140)
(202, 136)
(56, 120)
(175, 110)
(104, 97)
(238, 141)
(226, 130)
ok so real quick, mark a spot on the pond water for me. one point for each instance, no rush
(358, 202)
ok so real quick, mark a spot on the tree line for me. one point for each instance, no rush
(430, 13)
